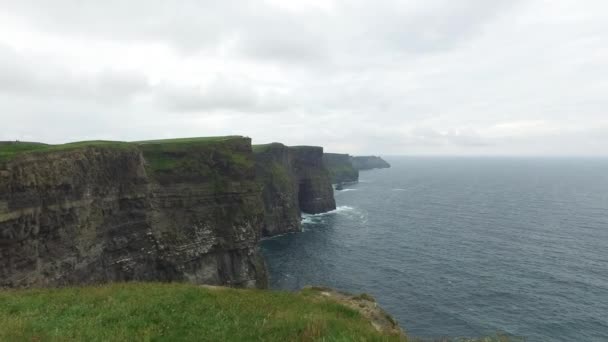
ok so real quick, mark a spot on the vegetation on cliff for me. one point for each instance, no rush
(369, 162)
(11, 149)
(340, 168)
(180, 312)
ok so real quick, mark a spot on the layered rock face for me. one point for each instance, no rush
(182, 211)
(315, 193)
(340, 168)
(276, 173)
(294, 180)
(369, 162)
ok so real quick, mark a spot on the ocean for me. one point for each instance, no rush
(465, 246)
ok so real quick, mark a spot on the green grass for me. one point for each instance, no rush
(261, 148)
(10, 150)
(192, 155)
(177, 312)
(195, 140)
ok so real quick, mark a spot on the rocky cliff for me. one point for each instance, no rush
(369, 162)
(276, 173)
(293, 180)
(177, 210)
(340, 168)
(315, 193)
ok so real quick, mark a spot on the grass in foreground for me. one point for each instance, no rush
(177, 312)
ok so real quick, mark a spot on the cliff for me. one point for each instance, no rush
(340, 167)
(315, 193)
(169, 210)
(276, 174)
(183, 210)
(369, 162)
(180, 210)
(293, 180)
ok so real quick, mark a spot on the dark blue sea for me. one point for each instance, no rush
(466, 246)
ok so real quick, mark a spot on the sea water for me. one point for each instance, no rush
(466, 246)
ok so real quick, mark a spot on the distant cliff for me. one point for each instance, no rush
(294, 180)
(369, 162)
(181, 210)
(340, 168)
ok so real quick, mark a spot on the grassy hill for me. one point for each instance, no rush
(178, 312)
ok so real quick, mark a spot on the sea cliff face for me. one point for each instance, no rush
(171, 210)
(276, 173)
(369, 162)
(180, 211)
(293, 180)
(340, 168)
(315, 193)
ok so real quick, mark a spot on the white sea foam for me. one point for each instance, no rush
(318, 218)
(399, 189)
(347, 190)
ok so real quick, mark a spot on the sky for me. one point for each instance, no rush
(419, 77)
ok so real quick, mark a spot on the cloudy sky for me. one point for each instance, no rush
(466, 77)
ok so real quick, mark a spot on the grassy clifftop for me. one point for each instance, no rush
(157, 149)
(179, 312)
(10, 150)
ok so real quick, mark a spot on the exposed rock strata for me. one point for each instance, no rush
(168, 212)
(369, 162)
(183, 210)
(340, 168)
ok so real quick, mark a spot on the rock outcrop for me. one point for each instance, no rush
(183, 210)
(340, 168)
(369, 162)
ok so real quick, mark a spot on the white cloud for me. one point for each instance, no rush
(416, 77)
